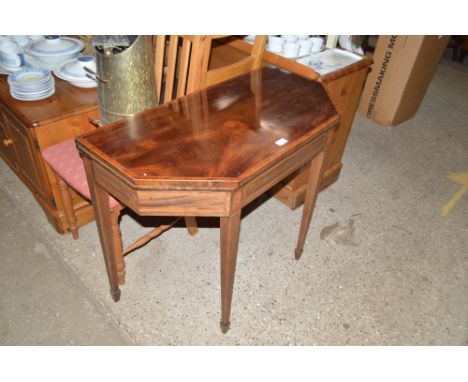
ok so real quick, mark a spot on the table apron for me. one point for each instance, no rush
(202, 202)
(264, 181)
(163, 202)
(184, 203)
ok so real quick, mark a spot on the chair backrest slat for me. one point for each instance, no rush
(183, 68)
(171, 68)
(160, 49)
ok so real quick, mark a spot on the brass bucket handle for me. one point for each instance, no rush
(93, 75)
(95, 122)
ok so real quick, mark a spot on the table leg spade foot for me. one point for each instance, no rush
(225, 327)
(298, 253)
(115, 294)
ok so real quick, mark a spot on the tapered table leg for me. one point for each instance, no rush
(230, 228)
(118, 247)
(191, 223)
(315, 176)
(103, 216)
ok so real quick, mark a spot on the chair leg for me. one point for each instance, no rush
(191, 223)
(118, 246)
(68, 207)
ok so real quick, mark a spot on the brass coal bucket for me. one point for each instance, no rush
(125, 79)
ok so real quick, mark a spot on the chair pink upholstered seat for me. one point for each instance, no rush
(67, 163)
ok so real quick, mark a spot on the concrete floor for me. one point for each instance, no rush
(381, 265)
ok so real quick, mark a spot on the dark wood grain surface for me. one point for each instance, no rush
(224, 132)
(67, 100)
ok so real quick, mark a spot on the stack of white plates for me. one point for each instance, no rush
(31, 84)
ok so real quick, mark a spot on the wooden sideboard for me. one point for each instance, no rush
(27, 128)
(344, 88)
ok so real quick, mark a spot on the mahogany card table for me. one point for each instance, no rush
(211, 153)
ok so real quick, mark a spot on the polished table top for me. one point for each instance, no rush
(218, 137)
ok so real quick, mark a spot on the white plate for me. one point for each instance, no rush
(33, 98)
(37, 89)
(79, 84)
(331, 60)
(58, 75)
(85, 85)
(67, 72)
(29, 76)
(33, 88)
(31, 95)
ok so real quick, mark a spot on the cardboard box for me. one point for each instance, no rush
(402, 71)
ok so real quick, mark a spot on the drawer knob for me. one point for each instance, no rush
(7, 142)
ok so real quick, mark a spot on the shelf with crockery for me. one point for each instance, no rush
(28, 61)
(311, 51)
